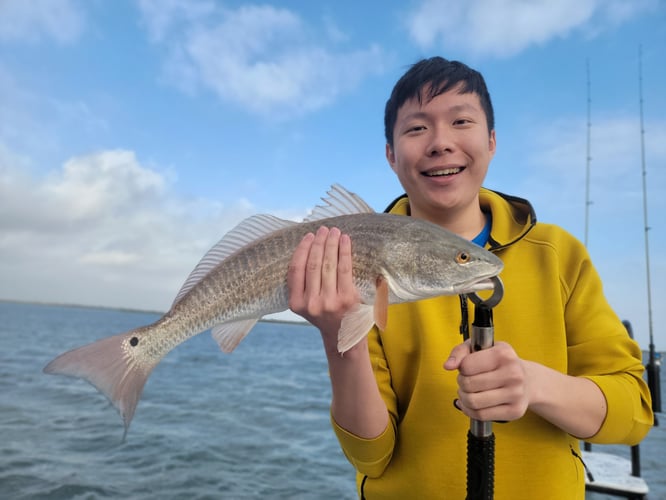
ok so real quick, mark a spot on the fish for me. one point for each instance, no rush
(244, 277)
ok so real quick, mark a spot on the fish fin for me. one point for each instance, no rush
(229, 335)
(248, 231)
(381, 303)
(355, 325)
(106, 366)
(339, 202)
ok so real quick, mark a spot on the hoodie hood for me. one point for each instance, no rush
(512, 217)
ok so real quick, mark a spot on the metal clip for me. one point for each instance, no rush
(494, 299)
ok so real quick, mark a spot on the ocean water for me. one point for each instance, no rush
(253, 424)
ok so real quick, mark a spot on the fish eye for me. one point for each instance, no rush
(463, 257)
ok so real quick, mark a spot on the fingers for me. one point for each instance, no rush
(306, 268)
(319, 278)
(492, 383)
(345, 277)
(323, 263)
(458, 353)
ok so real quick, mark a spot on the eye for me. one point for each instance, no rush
(463, 257)
(415, 128)
(462, 121)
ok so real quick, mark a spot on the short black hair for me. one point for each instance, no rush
(439, 75)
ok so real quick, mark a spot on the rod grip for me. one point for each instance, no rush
(480, 467)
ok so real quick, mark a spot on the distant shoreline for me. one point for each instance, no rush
(127, 310)
(149, 311)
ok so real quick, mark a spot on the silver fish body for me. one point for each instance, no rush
(244, 277)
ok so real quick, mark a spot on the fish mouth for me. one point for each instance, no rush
(442, 171)
(478, 286)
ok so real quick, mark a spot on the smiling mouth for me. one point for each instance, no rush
(444, 172)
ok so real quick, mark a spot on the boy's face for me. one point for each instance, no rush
(441, 151)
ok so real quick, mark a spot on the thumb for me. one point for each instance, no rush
(458, 353)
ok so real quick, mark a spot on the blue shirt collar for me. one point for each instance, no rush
(482, 238)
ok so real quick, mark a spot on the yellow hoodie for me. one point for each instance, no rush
(553, 312)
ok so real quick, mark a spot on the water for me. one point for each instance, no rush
(253, 424)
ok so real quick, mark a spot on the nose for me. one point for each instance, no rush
(441, 143)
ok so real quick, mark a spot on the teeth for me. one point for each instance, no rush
(446, 171)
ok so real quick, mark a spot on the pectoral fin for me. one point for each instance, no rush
(381, 303)
(355, 325)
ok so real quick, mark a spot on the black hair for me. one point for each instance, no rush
(439, 75)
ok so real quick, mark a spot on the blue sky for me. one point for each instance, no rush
(133, 134)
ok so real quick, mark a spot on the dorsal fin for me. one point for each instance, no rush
(339, 202)
(248, 231)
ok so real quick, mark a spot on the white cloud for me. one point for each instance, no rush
(506, 27)
(93, 185)
(59, 20)
(264, 58)
(162, 16)
(102, 230)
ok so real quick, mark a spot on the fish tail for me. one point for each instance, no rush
(107, 365)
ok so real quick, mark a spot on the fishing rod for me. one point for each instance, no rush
(480, 437)
(652, 366)
(588, 157)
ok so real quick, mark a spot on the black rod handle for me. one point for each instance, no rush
(480, 467)
(480, 438)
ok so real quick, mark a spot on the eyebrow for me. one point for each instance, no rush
(456, 108)
(464, 107)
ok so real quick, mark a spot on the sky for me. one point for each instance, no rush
(134, 134)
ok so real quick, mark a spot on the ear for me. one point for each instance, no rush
(492, 143)
(390, 156)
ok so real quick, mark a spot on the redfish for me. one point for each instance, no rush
(244, 277)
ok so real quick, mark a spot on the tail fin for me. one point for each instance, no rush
(107, 366)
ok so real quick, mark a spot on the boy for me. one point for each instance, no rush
(562, 369)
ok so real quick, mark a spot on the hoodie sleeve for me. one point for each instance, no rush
(371, 456)
(600, 349)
